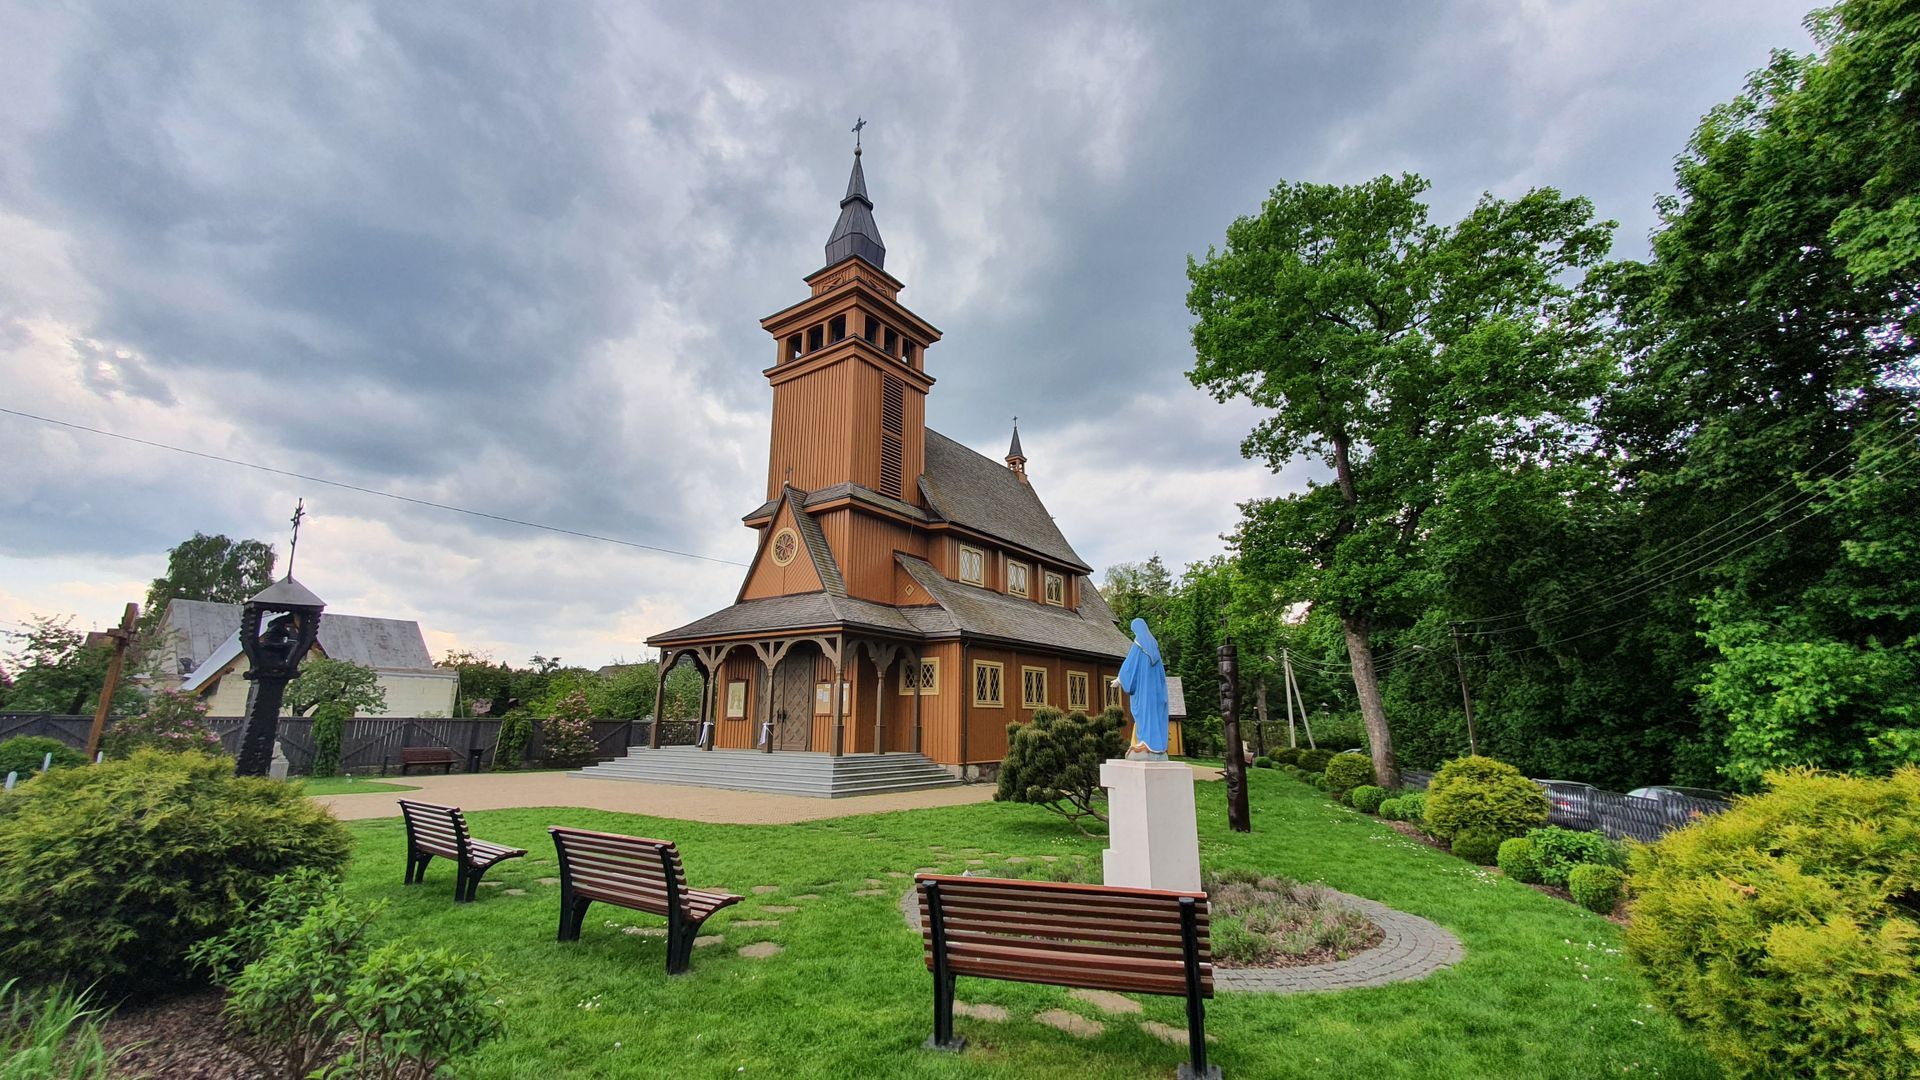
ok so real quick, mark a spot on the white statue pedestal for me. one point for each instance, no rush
(1153, 834)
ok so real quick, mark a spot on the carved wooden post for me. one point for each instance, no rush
(839, 700)
(122, 635)
(660, 700)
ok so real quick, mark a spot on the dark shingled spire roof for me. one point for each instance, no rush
(855, 233)
(1014, 451)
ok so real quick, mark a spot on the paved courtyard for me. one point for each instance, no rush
(506, 791)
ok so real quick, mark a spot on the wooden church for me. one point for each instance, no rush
(925, 581)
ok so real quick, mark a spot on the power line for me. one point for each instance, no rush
(370, 491)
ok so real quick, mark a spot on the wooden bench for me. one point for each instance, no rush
(442, 830)
(632, 872)
(1097, 937)
(427, 755)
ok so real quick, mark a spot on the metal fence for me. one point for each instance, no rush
(373, 744)
(1620, 817)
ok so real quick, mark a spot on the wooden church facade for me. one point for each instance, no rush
(925, 580)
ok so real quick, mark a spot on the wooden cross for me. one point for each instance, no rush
(122, 635)
(299, 511)
(858, 123)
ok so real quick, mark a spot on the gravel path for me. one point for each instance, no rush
(506, 791)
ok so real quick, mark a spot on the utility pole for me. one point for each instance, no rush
(122, 635)
(1460, 665)
(1286, 691)
(1260, 711)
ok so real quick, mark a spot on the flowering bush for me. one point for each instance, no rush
(173, 722)
(569, 731)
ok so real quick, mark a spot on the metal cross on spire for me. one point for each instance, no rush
(858, 123)
(299, 511)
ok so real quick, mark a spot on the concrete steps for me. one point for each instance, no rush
(819, 776)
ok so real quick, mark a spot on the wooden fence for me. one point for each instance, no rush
(367, 744)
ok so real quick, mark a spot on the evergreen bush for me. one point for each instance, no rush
(1367, 798)
(1314, 761)
(1517, 859)
(1597, 888)
(1320, 781)
(24, 753)
(1054, 761)
(329, 727)
(1557, 851)
(1285, 755)
(1263, 762)
(510, 745)
(110, 873)
(1483, 795)
(1348, 771)
(1413, 807)
(1785, 932)
(1390, 809)
(1476, 845)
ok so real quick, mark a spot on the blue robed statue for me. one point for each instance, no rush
(1144, 677)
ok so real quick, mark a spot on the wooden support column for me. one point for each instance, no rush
(713, 658)
(839, 697)
(660, 700)
(919, 687)
(884, 657)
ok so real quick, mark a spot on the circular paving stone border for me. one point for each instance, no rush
(1411, 948)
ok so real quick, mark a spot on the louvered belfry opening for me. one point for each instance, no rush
(893, 428)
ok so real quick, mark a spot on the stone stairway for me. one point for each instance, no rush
(820, 776)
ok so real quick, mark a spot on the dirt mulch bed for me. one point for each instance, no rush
(177, 1039)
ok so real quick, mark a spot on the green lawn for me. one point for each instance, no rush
(1543, 992)
(347, 785)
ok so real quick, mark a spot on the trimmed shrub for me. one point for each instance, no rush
(1517, 859)
(1315, 760)
(329, 727)
(1286, 755)
(1557, 851)
(1597, 888)
(1785, 932)
(569, 732)
(1367, 798)
(1054, 761)
(1348, 771)
(1483, 795)
(1293, 770)
(173, 722)
(1263, 762)
(1476, 846)
(23, 754)
(1390, 809)
(510, 745)
(1320, 781)
(111, 872)
(1413, 807)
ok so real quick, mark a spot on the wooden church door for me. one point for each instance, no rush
(793, 699)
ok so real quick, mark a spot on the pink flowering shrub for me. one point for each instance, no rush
(569, 732)
(173, 722)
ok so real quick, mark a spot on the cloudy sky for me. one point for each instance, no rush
(512, 257)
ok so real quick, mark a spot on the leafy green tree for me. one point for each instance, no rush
(1142, 590)
(55, 671)
(1407, 359)
(212, 568)
(324, 680)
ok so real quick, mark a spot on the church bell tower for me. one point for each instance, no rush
(849, 374)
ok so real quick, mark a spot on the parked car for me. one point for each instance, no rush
(1681, 804)
(1570, 804)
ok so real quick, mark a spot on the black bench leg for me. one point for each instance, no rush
(942, 1037)
(460, 885)
(573, 913)
(1195, 1067)
(680, 935)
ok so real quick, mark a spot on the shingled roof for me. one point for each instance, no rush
(201, 627)
(984, 613)
(971, 489)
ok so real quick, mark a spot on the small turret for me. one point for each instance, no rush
(1017, 458)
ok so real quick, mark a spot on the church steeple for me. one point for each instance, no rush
(1016, 457)
(855, 233)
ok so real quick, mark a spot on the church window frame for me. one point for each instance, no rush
(1019, 579)
(785, 547)
(989, 684)
(929, 677)
(973, 566)
(1056, 589)
(1116, 697)
(1033, 687)
(1079, 694)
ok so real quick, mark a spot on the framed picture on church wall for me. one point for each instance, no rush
(737, 700)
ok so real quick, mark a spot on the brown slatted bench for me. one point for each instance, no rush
(428, 756)
(1097, 937)
(442, 830)
(632, 872)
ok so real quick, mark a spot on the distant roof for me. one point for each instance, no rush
(202, 627)
(981, 612)
(1176, 697)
